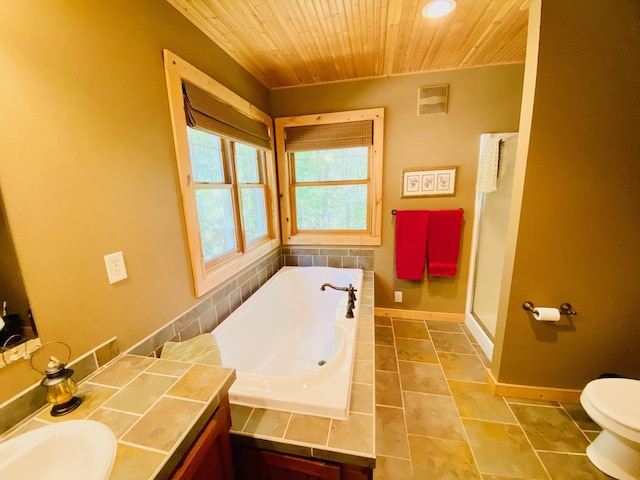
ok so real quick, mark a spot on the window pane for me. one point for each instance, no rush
(330, 165)
(206, 156)
(342, 207)
(215, 215)
(246, 164)
(254, 213)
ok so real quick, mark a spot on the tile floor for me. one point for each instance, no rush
(437, 418)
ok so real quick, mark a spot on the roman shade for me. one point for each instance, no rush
(329, 136)
(205, 111)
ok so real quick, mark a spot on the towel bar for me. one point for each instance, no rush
(394, 211)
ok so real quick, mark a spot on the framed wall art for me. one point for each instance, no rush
(422, 182)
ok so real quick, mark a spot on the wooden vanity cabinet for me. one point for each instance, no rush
(210, 455)
(257, 464)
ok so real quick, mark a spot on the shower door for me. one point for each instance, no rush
(492, 216)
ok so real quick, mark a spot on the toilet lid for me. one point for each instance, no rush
(617, 398)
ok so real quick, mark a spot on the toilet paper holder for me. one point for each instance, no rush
(565, 308)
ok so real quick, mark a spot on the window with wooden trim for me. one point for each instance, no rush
(227, 175)
(330, 169)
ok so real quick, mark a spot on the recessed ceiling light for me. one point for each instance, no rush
(438, 8)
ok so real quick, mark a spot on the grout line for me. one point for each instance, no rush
(404, 411)
(535, 452)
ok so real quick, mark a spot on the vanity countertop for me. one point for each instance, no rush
(156, 408)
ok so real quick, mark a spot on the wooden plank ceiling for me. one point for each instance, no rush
(285, 43)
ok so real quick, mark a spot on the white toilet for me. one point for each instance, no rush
(614, 404)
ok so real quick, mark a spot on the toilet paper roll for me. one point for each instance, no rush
(546, 314)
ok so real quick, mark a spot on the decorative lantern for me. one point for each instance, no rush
(60, 386)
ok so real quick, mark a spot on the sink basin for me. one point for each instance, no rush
(72, 449)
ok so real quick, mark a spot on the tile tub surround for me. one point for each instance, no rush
(214, 308)
(339, 257)
(436, 416)
(344, 441)
(219, 304)
(135, 396)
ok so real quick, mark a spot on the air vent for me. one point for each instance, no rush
(432, 99)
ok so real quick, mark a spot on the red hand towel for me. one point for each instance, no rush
(443, 248)
(411, 243)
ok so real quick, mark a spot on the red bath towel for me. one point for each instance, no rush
(445, 227)
(411, 243)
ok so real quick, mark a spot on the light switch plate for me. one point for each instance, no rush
(116, 268)
(397, 296)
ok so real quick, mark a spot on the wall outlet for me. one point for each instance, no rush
(397, 296)
(115, 267)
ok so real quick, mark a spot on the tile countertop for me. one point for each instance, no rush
(135, 396)
(349, 441)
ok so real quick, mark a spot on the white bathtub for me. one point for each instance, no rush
(277, 339)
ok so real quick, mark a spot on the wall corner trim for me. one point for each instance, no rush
(532, 392)
(419, 315)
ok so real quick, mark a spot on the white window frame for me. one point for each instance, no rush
(372, 236)
(206, 277)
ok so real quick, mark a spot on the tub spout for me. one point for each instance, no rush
(352, 296)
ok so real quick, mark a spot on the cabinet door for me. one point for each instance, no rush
(210, 456)
(254, 464)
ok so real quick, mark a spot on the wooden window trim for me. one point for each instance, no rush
(373, 235)
(207, 277)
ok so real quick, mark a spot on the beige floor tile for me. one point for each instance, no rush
(451, 342)
(392, 437)
(528, 401)
(422, 377)
(432, 416)
(562, 466)
(550, 428)
(388, 389)
(416, 350)
(581, 417)
(462, 367)
(476, 400)
(309, 429)
(388, 468)
(410, 329)
(503, 449)
(385, 321)
(384, 336)
(500, 477)
(434, 325)
(591, 435)
(439, 459)
(355, 433)
(467, 332)
(483, 357)
(386, 358)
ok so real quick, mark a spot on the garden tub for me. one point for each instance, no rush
(291, 343)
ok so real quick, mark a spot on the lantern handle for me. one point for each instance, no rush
(43, 372)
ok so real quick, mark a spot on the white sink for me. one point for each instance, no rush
(70, 450)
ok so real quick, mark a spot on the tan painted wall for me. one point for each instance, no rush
(87, 164)
(579, 226)
(481, 100)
